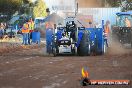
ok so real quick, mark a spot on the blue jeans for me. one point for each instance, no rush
(25, 38)
(29, 34)
(106, 41)
(1, 33)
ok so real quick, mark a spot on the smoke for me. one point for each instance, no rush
(90, 3)
(116, 48)
(51, 20)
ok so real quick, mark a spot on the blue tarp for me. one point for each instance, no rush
(124, 13)
(13, 19)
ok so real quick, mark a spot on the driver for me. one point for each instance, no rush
(127, 22)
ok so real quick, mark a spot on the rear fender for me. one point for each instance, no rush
(80, 35)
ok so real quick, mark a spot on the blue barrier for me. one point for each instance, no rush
(49, 40)
(36, 37)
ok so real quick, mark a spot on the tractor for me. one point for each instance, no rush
(123, 33)
(71, 39)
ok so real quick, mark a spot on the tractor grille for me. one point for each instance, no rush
(124, 34)
(64, 42)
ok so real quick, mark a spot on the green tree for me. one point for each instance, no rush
(124, 4)
(39, 9)
(10, 6)
(27, 7)
(27, 1)
(114, 3)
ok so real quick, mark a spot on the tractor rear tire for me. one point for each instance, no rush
(84, 47)
(104, 49)
(54, 52)
(131, 44)
(131, 39)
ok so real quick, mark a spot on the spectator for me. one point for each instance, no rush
(127, 22)
(25, 31)
(31, 29)
(5, 26)
(1, 30)
(106, 32)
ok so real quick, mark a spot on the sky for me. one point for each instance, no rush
(60, 4)
(33, 0)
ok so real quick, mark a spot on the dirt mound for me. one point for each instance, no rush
(9, 48)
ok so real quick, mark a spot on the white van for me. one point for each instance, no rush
(39, 21)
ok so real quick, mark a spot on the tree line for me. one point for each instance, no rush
(124, 4)
(9, 7)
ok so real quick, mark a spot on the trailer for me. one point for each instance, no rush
(71, 39)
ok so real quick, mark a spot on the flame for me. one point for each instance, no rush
(84, 73)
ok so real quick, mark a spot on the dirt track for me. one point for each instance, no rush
(34, 69)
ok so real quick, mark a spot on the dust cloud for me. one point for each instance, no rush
(116, 48)
(90, 3)
(51, 20)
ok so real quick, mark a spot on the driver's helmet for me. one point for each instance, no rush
(69, 22)
(59, 25)
(63, 34)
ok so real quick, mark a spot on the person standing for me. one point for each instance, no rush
(106, 32)
(1, 30)
(25, 31)
(127, 22)
(31, 29)
(5, 26)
